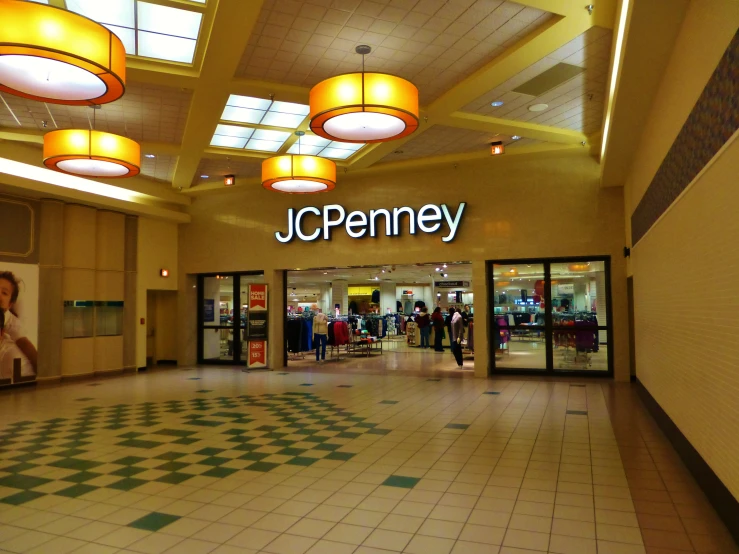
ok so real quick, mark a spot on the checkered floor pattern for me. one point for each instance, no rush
(60, 456)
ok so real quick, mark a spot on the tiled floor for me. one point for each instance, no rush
(221, 461)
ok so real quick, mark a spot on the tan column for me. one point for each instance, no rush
(276, 306)
(480, 286)
(51, 299)
(130, 323)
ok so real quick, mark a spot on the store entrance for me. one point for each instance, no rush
(391, 317)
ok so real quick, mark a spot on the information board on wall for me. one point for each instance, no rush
(209, 310)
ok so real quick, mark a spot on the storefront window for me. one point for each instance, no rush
(109, 319)
(79, 316)
(550, 315)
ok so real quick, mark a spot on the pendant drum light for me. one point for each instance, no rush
(298, 174)
(364, 107)
(52, 55)
(90, 153)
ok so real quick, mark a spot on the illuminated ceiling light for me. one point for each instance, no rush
(515, 137)
(497, 148)
(91, 153)
(364, 107)
(204, 176)
(538, 107)
(578, 267)
(298, 174)
(149, 156)
(496, 104)
(52, 55)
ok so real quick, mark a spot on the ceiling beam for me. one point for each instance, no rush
(265, 89)
(229, 35)
(464, 120)
(603, 10)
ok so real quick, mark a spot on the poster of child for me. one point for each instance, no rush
(19, 285)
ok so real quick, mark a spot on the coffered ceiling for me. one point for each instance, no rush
(264, 55)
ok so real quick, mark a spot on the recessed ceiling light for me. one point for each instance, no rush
(538, 107)
(496, 104)
(515, 137)
(204, 176)
(149, 156)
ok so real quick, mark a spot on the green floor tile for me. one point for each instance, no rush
(169, 456)
(128, 471)
(291, 451)
(185, 441)
(348, 435)
(75, 463)
(174, 478)
(389, 402)
(209, 451)
(138, 443)
(25, 482)
(204, 390)
(172, 466)
(214, 461)
(327, 447)
(21, 497)
(262, 466)
(131, 435)
(378, 432)
(254, 456)
(401, 481)
(153, 521)
(343, 456)
(302, 461)
(81, 477)
(491, 392)
(456, 426)
(129, 460)
(219, 472)
(19, 467)
(76, 490)
(127, 484)
(204, 423)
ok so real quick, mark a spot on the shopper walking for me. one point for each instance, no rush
(457, 335)
(320, 334)
(448, 323)
(437, 320)
(423, 321)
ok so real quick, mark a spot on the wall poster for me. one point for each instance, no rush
(19, 311)
(257, 354)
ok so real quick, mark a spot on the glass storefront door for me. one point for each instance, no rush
(550, 315)
(222, 317)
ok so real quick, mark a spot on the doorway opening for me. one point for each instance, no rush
(161, 327)
(380, 318)
(551, 315)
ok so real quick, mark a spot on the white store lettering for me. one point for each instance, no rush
(430, 219)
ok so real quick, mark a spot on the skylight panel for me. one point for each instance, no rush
(264, 145)
(276, 119)
(164, 47)
(228, 142)
(167, 21)
(305, 149)
(291, 108)
(336, 153)
(353, 146)
(47, 1)
(127, 36)
(234, 131)
(242, 115)
(315, 140)
(112, 12)
(265, 134)
(248, 102)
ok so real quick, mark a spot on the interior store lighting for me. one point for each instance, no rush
(364, 107)
(51, 55)
(298, 174)
(90, 153)
(579, 267)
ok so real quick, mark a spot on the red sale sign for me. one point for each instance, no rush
(257, 297)
(257, 353)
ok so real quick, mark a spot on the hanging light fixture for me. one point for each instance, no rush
(298, 174)
(91, 153)
(364, 107)
(52, 55)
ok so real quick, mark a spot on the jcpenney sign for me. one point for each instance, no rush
(429, 219)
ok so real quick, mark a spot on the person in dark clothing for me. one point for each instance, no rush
(448, 324)
(423, 321)
(466, 316)
(437, 320)
(457, 335)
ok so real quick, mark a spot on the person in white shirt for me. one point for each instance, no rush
(320, 335)
(11, 328)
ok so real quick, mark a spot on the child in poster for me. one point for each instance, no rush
(13, 340)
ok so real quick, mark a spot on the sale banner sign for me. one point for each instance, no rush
(257, 353)
(257, 297)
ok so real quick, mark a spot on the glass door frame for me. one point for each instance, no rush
(235, 327)
(548, 326)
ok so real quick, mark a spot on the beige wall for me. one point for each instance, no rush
(157, 249)
(686, 267)
(547, 206)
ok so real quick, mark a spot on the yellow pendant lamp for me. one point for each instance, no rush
(364, 107)
(52, 55)
(298, 174)
(90, 153)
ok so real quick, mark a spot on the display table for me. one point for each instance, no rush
(365, 347)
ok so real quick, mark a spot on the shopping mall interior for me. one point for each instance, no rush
(369, 276)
